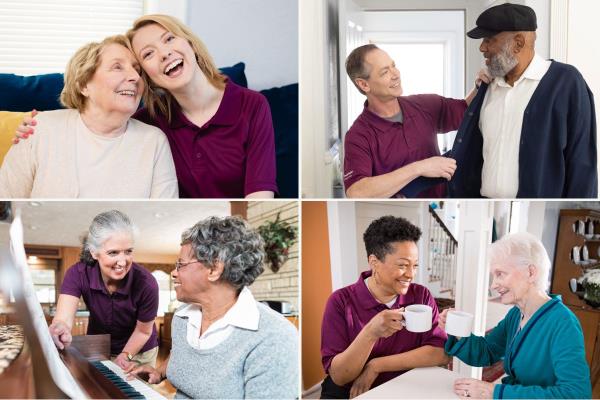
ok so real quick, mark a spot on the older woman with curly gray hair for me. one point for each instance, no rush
(225, 343)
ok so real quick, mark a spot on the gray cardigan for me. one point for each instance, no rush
(248, 364)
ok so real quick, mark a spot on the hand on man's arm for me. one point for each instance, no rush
(387, 185)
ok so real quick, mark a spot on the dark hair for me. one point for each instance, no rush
(231, 241)
(355, 63)
(386, 230)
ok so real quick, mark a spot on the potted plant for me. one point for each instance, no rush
(591, 285)
(278, 236)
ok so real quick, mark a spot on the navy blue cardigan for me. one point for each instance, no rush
(557, 153)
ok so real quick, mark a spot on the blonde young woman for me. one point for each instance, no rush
(221, 134)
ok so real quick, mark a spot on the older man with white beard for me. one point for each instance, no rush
(532, 131)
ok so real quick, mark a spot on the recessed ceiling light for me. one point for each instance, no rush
(160, 214)
(33, 227)
(35, 203)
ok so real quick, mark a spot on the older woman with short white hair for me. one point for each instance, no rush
(540, 339)
(93, 149)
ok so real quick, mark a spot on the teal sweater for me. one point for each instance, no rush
(546, 359)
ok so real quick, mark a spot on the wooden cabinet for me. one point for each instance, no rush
(566, 268)
(80, 325)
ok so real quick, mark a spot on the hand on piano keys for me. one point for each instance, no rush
(145, 372)
(133, 388)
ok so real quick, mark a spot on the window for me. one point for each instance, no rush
(40, 36)
(421, 66)
(43, 275)
(165, 291)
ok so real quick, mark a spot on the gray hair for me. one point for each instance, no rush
(103, 226)
(233, 242)
(521, 250)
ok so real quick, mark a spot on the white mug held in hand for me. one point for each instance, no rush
(459, 323)
(418, 317)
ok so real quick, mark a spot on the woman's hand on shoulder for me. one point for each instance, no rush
(26, 127)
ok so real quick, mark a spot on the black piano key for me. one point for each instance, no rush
(125, 387)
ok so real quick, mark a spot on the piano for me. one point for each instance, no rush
(88, 361)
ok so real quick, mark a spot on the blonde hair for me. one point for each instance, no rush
(82, 67)
(156, 99)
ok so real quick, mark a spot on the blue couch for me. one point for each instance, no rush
(24, 93)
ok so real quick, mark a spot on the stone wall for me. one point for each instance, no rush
(283, 285)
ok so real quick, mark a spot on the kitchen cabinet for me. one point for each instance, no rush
(570, 241)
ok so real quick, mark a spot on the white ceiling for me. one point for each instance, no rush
(160, 223)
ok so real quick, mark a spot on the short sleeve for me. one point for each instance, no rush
(73, 282)
(334, 331)
(260, 152)
(148, 300)
(446, 113)
(357, 158)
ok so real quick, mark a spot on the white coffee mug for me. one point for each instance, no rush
(576, 254)
(459, 323)
(418, 318)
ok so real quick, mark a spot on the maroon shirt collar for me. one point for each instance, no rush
(368, 301)
(382, 124)
(227, 114)
(96, 282)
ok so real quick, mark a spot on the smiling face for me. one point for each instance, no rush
(169, 60)
(115, 257)
(116, 86)
(396, 271)
(191, 279)
(384, 78)
(511, 282)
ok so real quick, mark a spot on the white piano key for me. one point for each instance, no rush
(144, 388)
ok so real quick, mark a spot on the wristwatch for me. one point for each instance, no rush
(128, 355)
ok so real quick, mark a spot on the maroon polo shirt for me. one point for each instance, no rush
(350, 308)
(375, 146)
(117, 314)
(231, 155)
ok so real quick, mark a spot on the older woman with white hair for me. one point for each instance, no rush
(93, 149)
(121, 296)
(540, 339)
(226, 345)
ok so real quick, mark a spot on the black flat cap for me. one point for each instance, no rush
(506, 17)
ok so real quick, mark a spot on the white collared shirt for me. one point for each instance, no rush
(243, 314)
(500, 122)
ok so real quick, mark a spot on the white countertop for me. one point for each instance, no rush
(419, 383)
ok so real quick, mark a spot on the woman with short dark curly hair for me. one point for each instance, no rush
(226, 344)
(363, 343)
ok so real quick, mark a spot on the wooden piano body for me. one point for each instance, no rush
(17, 381)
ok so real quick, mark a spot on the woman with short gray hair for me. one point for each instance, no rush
(225, 343)
(121, 296)
(540, 339)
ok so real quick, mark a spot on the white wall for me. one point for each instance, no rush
(261, 33)
(583, 46)
(314, 94)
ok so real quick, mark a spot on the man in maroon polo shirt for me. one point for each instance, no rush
(394, 140)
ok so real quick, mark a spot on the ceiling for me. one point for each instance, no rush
(160, 223)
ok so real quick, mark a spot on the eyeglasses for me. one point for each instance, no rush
(179, 264)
